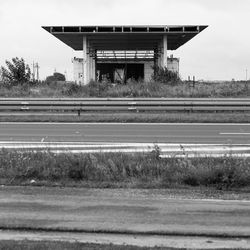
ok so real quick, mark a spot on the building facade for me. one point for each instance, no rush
(121, 71)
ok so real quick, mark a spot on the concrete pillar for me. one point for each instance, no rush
(92, 68)
(159, 56)
(88, 66)
(85, 61)
(164, 52)
(91, 74)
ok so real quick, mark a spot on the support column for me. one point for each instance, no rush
(165, 51)
(159, 55)
(155, 60)
(89, 66)
(85, 62)
(94, 68)
(91, 57)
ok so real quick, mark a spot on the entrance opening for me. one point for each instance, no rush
(135, 71)
(119, 72)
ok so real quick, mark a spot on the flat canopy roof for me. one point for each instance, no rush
(124, 37)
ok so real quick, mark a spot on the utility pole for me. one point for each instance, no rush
(246, 84)
(37, 71)
(65, 74)
(33, 72)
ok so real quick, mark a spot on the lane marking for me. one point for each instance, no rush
(234, 133)
(210, 200)
(126, 143)
(163, 149)
(199, 155)
(125, 123)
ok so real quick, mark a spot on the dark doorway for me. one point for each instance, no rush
(135, 71)
(112, 71)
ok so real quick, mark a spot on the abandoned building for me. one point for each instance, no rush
(120, 53)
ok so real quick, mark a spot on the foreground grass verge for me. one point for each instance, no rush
(133, 89)
(132, 117)
(112, 170)
(50, 245)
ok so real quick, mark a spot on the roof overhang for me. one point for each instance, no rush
(124, 37)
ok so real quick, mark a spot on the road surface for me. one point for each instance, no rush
(115, 132)
(133, 211)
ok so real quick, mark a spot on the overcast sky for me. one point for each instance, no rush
(222, 51)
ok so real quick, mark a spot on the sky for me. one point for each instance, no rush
(220, 52)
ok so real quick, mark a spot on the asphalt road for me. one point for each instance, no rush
(104, 132)
(134, 211)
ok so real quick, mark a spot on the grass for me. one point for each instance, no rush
(132, 117)
(134, 89)
(139, 170)
(51, 245)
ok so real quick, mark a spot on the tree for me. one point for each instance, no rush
(16, 72)
(55, 77)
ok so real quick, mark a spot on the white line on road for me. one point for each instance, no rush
(125, 123)
(234, 133)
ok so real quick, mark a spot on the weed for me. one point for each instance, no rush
(124, 169)
(173, 88)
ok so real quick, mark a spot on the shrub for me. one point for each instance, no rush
(131, 169)
(163, 75)
(98, 88)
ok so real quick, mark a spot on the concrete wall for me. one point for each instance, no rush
(148, 70)
(173, 64)
(77, 70)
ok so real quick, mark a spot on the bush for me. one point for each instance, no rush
(98, 88)
(163, 75)
(124, 169)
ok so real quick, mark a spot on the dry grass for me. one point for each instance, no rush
(134, 89)
(122, 170)
(132, 117)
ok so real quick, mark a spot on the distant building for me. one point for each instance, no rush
(115, 70)
(121, 53)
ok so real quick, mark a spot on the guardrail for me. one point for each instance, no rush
(80, 105)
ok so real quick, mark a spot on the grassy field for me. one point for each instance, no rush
(132, 117)
(135, 89)
(50, 245)
(115, 170)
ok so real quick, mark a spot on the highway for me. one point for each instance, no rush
(97, 212)
(126, 133)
